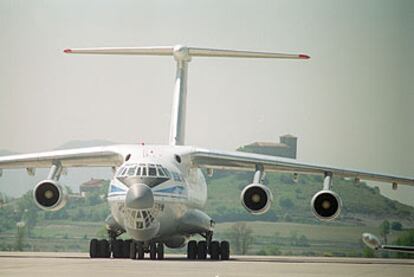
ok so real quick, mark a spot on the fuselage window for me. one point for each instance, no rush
(139, 171)
(144, 171)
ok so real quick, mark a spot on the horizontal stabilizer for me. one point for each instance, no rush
(183, 50)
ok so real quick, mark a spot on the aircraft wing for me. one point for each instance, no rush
(82, 157)
(214, 159)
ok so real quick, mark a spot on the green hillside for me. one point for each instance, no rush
(291, 201)
(289, 228)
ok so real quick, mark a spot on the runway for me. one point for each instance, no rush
(79, 265)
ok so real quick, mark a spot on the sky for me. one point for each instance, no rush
(351, 104)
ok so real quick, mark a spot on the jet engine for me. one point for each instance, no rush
(256, 198)
(326, 205)
(49, 195)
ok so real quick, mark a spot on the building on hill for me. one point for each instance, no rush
(93, 185)
(287, 147)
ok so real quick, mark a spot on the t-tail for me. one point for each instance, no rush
(182, 55)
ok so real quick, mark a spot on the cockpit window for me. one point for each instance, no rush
(160, 171)
(145, 170)
(123, 171)
(151, 170)
(131, 170)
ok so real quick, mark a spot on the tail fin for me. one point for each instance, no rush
(182, 55)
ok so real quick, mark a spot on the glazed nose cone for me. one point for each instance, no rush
(139, 196)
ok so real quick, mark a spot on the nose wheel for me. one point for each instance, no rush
(138, 249)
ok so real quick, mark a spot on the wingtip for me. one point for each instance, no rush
(67, 50)
(304, 56)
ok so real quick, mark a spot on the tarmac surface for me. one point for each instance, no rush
(79, 265)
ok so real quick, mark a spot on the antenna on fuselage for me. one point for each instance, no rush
(182, 56)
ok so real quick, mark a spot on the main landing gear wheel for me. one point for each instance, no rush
(202, 250)
(99, 249)
(224, 250)
(192, 250)
(216, 250)
(121, 249)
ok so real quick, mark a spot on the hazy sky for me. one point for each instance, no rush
(351, 104)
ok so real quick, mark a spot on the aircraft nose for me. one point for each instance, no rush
(140, 197)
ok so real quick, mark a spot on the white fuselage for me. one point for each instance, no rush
(177, 188)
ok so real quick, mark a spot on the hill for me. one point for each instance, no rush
(288, 228)
(291, 201)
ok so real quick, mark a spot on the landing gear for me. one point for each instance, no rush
(121, 248)
(99, 249)
(153, 251)
(137, 250)
(192, 250)
(202, 250)
(160, 251)
(216, 250)
(225, 250)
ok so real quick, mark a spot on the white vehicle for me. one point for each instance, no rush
(158, 192)
(375, 243)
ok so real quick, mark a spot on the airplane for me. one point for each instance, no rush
(375, 243)
(158, 192)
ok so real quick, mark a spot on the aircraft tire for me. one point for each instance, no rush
(125, 248)
(103, 250)
(160, 251)
(140, 250)
(202, 250)
(93, 248)
(133, 251)
(192, 250)
(153, 251)
(215, 250)
(117, 248)
(224, 250)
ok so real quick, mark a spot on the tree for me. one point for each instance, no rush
(384, 230)
(241, 237)
(397, 226)
(20, 232)
(407, 239)
(286, 203)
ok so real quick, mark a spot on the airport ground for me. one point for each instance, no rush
(79, 265)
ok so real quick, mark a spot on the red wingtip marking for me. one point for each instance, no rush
(303, 56)
(67, 51)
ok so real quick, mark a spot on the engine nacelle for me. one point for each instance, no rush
(326, 205)
(49, 195)
(256, 198)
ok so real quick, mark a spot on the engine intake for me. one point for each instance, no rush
(256, 198)
(49, 195)
(326, 205)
